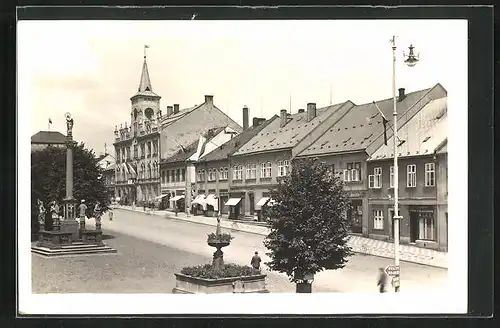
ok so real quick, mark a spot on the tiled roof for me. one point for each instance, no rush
(235, 143)
(146, 93)
(360, 126)
(48, 137)
(421, 135)
(183, 155)
(167, 120)
(273, 137)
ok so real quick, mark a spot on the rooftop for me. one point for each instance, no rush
(274, 137)
(235, 143)
(185, 153)
(167, 120)
(423, 134)
(360, 126)
(48, 137)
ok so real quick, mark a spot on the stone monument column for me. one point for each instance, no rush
(69, 224)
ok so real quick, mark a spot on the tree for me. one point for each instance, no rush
(48, 180)
(309, 225)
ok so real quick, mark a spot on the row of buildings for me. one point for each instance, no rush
(199, 159)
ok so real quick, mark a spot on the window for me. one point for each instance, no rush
(198, 176)
(253, 173)
(378, 220)
(353, 172)
(223, 173)
(286, 164)
(249, 171)
(268, 170)
(238, 172)
(203, 177)
(391, 177)
(262, 170)
(430, 174)
(136, 151)
(168, 176)
(377, 181)
(281, 169)
(183, 175)
(411, 175)
(211, 174)
(426, 225)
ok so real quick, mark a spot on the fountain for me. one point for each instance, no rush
(219, 277)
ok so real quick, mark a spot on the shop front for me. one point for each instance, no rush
(234, 205)
(423, 227)
(198, 206)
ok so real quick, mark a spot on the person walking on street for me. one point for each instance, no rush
(110, 213)
(255, 262)
(382, 280)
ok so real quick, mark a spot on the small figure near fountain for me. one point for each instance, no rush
(41, 214)
(97, 216)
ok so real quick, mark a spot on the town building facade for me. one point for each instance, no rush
(422, 181)
(349, 140)
(258, 165)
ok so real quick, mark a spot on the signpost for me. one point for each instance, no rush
(393, 271)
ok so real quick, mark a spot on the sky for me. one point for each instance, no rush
(92, 68)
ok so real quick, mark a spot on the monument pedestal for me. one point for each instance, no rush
(70, 226)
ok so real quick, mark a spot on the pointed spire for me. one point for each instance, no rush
(145, 83)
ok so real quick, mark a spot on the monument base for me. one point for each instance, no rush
(76, 248)
(71, 226)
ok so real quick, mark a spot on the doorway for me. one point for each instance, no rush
(251, 203)
(414, 230)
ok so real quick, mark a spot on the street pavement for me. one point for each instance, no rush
(359, 275)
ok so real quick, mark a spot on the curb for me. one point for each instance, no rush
(264, 231)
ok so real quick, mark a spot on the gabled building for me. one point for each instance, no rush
(422, 181)
(258, 165)
(150, 136)
(350, 139)
(44, 139)
(179, 173)
(213, 169)
(105, 161)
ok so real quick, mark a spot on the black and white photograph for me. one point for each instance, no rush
(316, 166)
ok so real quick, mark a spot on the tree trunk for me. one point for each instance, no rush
(303, 287)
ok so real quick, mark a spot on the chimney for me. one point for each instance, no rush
(209, 99)
(258, 121)
(170, 110)
(245, 117)
(176, 108)
(301, 110)
(283, 117)
(311, 111)
(401, 94)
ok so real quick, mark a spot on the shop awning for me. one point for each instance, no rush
(232, 201)
(199, 199)
(161, 196)
(177, 198)
(213, 201)
(262, 201)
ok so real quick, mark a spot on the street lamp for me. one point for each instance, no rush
(411, 60)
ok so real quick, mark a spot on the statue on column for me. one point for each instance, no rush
(41, 214)
(69, 125)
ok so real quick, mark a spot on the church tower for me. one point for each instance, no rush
(145, 112)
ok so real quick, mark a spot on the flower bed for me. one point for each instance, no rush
(223, 237)
(228, 271)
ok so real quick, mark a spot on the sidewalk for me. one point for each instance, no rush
(358, 244)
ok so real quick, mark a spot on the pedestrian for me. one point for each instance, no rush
(144, 206)
(133, 205)
(255, 262)
(382, 280)
(110, 213)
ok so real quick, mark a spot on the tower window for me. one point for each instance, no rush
(149, 113)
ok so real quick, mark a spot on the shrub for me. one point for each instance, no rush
(228, 271)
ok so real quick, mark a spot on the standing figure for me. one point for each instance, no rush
(41, 214)
(382, 280)
(83, 211)
(97, 215)
(54, 211)
(255, 262)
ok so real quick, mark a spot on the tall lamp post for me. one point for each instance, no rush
(411, 60)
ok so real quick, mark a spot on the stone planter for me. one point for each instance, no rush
(194, 285)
